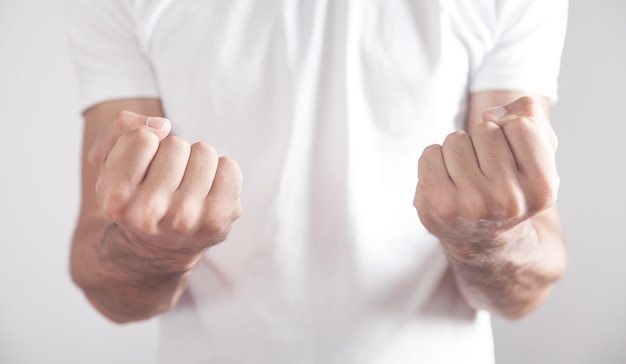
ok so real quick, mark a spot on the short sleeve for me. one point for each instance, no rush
(526, 55)
(106, 54)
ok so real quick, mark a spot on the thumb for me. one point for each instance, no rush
(525, 107)
(121, 124)
(160, 126)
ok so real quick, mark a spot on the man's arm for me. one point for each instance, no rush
(489, 196)
(151, 205)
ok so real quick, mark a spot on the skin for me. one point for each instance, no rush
(489, 196)
(152, 204)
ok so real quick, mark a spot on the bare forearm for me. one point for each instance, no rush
(151, 205)
(489, 195)
(508, 272)
(118, 279)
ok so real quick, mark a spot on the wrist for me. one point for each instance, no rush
(487, 244)
(160, 255)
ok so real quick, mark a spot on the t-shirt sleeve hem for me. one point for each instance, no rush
(539, 87)
(94, 96)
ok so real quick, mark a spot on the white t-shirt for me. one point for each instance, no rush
(326, 105)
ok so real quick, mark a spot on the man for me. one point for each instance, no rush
(324, 109)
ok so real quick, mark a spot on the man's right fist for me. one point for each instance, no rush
(165, 192)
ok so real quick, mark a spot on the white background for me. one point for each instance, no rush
(44, 319)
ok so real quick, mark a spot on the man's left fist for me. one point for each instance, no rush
(490, 179)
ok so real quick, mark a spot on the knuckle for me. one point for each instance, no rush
(117, 127)
(446, 211)
(184, 221)
(486, 128)
(473, 205)
(141, 137)
(147, 226)
(228, 164)
(430, 153)
(120, 116)
(520, 126)
(527, 105)
(204, 148)
(228, 170)
(508, 205)
(455, 137)
(444, 207)
(175, 142)
(456, 144)
(544, 193)
(217, 227)
(218, 221)
(435, 215)
(429, 163)
(114, 202)
(148, 217)
(182, 225)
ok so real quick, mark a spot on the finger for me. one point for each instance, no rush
(493, 152)
(535, 159)
(151, 202)
(120, 124)
(530, 148)
(125, 169)
(505, 196)
(222, 202)
(460, 159)
(167, 168)
(188, 201)
(227, 183)
(526, 107)
(435, 193)
(200, 172)
(431, 169)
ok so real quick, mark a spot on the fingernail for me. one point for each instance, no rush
(497, 113)
(156, 122)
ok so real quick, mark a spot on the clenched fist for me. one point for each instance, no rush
(164, 193)
(485, 182)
